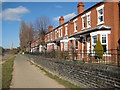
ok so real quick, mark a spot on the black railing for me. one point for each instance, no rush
(110, 57)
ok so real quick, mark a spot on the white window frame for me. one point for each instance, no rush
(82, 21)
(106, 41)
(62, 47)
(66, 46)
(101, 33)
(55, 34)
(76, 45)
(66, 29)
(75, 24)
(92, 40)
(98, 15)
(88, 19)
(55, 46)
(60, 31)
(51, 35)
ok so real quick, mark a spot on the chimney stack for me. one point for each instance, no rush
(50, 28)
(61, 20)
(80, 7)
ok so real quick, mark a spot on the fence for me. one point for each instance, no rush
(109, 57)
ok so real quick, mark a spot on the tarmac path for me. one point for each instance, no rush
(26, 75)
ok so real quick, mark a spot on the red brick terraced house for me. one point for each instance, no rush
(35, 44)
(82, 32)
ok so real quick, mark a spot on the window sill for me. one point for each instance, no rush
(100, 23)
(75, 31)
(88, 27)
(83, 29)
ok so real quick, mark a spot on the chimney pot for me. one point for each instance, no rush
(80, 7)
(61, 20)
(50, 28)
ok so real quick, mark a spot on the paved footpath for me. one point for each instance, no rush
(26, 75)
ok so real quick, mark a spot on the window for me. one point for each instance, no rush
(94, 39)
(55, 46)
(51, 36)
(61, 32)
(55, 34)
(83, 22)
(88, 19)
(103, 38)
(75, 25)
(100, 13)
(65, 46)
(105, 48)
(61, 46)
(76, 44)
(104, 42)
(66, 29)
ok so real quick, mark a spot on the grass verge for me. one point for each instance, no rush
(7, 69)
(66, 83)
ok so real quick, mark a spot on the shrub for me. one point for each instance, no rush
(99, 49)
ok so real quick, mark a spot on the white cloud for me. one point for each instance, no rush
(58, 6)
(13, 14)
(66, 17)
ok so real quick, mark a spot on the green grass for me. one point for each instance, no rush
(66, 83)
(7, 69)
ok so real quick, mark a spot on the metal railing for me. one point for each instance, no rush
(109, 57)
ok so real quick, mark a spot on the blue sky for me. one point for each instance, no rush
(14, 12)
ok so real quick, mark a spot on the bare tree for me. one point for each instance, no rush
(26, 36)
(41, 26)
(22, 36)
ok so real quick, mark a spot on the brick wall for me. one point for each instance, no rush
(84, 75)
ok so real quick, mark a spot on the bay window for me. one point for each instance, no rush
(65, 46)
(94, 40)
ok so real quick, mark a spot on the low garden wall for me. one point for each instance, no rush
(85, 75)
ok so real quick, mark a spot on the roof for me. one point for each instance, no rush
(77, 16)
(102, 27)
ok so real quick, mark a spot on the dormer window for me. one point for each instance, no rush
(100, 14)
(75, 25)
